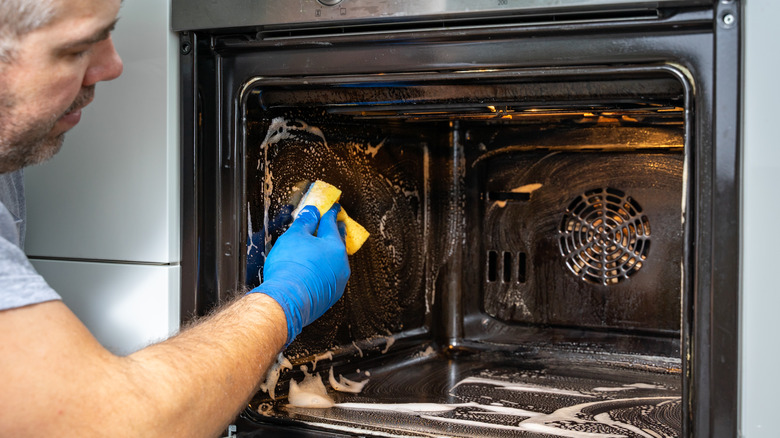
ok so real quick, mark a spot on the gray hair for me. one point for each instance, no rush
(18, 17)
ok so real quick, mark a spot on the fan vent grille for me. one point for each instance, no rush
(604, 237)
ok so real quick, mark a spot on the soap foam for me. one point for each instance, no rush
(439, 408)
(310, 393)
(519, 387)
(345, 385)
(628, 387)
(319, 357)
(390, 341)
(574, 415)
(273, 373)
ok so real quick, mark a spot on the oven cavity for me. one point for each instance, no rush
(509, 275)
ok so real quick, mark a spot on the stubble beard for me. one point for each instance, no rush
(27, 142)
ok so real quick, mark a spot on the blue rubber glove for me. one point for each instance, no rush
(304, 273)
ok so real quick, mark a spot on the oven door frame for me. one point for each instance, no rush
(703, 42)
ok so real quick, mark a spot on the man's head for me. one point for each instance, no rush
(52, 53)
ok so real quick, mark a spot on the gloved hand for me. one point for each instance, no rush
(304, 273)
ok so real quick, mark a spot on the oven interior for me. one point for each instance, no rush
(524, 274)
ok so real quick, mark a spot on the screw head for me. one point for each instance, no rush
(728, 19)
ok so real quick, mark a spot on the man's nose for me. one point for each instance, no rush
(106, 64)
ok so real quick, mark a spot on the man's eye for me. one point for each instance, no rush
(79, 52)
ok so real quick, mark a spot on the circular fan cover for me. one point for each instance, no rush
(604, 237)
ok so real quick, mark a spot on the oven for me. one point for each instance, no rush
(551, 190)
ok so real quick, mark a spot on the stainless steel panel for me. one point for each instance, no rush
(213, 14)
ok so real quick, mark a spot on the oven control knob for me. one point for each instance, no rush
(329, 2)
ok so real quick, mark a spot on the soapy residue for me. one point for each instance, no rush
(572, 421)
(280, 129)
(628, 387)
(576, 413)
(360, 352)
(428, 352)
(524, 387)
(251, 245)
(430, 408)
(345, 385)
(310, 393)
(319, 357)
(390, 341)
(571, 415)
(372, 150)
(273, 373)
(378, 182)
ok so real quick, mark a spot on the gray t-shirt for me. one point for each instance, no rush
(20, 285)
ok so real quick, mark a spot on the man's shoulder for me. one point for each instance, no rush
(12, 207)
(20, 284)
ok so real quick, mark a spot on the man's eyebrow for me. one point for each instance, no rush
(96, 37)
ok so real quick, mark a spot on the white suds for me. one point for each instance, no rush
(604, 418)
(573, 415)
(249, 230)
(435, 408)
(428, 352)
(411, 408)
(310, 393)
(372, 150)
(390, 341)
(319, 357)
(272, 375)
(360, 352)
(627, 387)
(345, 385)
(519, 387)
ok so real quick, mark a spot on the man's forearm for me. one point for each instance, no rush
(191, 385)
(201, 378)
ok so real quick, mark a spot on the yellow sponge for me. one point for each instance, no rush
(323, 195)
(356, 234)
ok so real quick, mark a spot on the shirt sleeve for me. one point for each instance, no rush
(20, 284)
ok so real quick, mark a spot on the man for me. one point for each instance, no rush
(55, 378)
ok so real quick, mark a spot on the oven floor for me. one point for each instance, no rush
(491, 394)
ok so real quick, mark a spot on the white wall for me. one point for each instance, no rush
(103, 215)
(760, 346)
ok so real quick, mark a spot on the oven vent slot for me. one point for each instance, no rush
(458, 24)
(506, 266)
(509, 196)
(604, 237)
